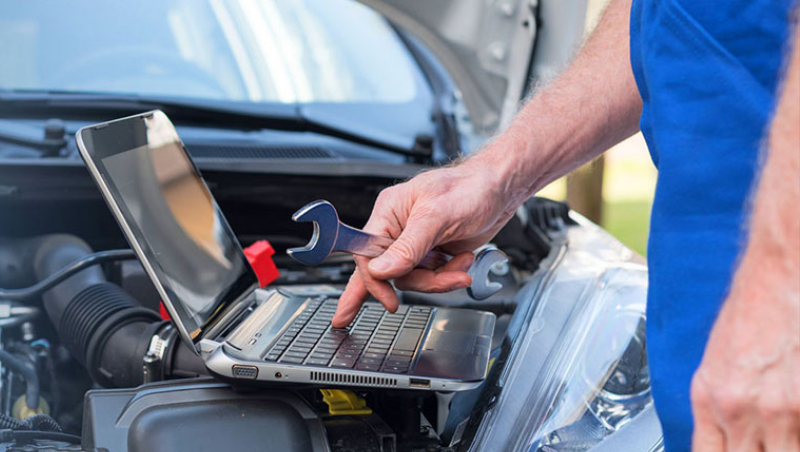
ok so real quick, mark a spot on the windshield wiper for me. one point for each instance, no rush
(220, 113)
(49, 141)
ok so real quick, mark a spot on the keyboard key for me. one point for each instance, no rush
(330, 343)
(399, 353)
(407, 339)
(372, 361)
(373, 355)
(368, 367)
(354, 347)
(346, 355)
(398, 362)
(339, 362)
(273, 356)
(322, 349)
(292, 360)
(318, 361)
(395, 369)
(292, 354)
(325, 356)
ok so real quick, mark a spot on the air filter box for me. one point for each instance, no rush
(199, 415)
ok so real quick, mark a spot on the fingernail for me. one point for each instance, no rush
(381, 264)
(468, 264)
(461, 285)
(340, 314)
(338, 319)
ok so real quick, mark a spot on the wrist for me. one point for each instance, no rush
(500, 167)
(766, 275)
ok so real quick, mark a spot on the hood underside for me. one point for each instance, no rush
(492, 48)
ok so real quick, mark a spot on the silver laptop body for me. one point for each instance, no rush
(245, 333)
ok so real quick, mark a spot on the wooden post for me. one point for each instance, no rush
(585, 190)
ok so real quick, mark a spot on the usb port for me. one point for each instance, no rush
(419, 383)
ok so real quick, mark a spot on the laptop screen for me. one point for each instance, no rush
(194, 257)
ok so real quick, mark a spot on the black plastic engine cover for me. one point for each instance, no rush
(199, 415)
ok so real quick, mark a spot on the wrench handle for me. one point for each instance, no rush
(361, 243)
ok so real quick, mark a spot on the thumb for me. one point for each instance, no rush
(418, 237)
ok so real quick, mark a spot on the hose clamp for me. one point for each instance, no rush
(153, 360)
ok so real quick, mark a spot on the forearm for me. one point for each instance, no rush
(590, 107)
(772, 256)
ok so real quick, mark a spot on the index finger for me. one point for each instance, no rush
(354, 295)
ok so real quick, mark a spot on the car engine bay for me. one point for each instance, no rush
(84, 349)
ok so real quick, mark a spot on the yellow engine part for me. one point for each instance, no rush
(21, 411)
(343, 402)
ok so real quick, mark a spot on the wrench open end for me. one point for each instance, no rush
(326, 220)
(482, 288)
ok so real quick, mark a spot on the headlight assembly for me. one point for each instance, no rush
(577, 372)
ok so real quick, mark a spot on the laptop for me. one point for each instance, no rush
(245, 333)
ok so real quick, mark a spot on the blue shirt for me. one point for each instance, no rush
(708, 73)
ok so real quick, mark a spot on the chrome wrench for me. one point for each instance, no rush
(331, 235)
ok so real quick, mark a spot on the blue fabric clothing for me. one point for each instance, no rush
(708, 73)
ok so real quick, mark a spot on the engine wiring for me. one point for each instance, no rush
(33, 435)
(64, 273)
(28, 374)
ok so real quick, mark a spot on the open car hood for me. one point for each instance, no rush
(492, 48)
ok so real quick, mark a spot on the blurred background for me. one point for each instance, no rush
(616, 190)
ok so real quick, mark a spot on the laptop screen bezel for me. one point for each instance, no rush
(235, 298)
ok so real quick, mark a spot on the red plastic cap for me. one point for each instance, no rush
(259, 254)
(162, 311)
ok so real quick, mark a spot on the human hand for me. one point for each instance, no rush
(455, 209)
(746, 392)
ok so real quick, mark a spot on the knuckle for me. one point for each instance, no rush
(771, 406)
(385, 196)
(730, 401)
(726, 398)
(403, 250)
(698, 392)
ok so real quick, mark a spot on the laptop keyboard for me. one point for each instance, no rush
(376, 341)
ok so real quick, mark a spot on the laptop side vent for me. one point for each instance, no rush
(334, 377)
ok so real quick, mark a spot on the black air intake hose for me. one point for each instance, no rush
(101, 324)
(108, 333)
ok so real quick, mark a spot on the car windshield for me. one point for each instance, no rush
(298, 51)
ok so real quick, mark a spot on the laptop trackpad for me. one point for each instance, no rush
(450, 342)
